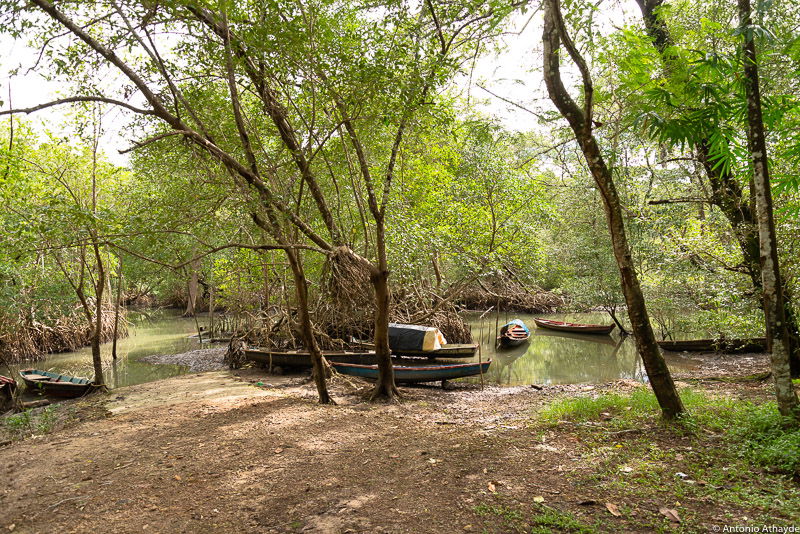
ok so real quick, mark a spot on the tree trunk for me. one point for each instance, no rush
(320, 366)
(97, 331)
(116, 310)
(379, 276)
(770, 270)
(580, 121)
(385, 388)
(192, 286)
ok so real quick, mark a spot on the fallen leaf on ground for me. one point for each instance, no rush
(626, 469)
(177, 477)
(613, 508)
(671, 514)
(492, 487)
(538, 499)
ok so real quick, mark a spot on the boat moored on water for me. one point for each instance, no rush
(728, 346)
(513, 334)
(576, 328)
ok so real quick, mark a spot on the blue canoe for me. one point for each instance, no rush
(420, 373)
(513, 334)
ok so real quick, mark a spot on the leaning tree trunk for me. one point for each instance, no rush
(770, 269)
(320, 369)
(580, 121)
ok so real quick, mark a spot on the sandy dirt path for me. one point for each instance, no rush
(213, 452)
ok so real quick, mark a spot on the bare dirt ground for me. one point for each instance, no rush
(216, 452)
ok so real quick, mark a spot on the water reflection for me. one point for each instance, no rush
(552, 357)
(152, 332)
(549, 357)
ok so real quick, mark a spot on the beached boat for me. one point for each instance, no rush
(448, 350)
(426, 341)
(404, 374)
(576, 328)
(300, 359)
(55, 384)
(513, 334)
(730, 346)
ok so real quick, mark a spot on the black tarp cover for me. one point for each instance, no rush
(414, 337)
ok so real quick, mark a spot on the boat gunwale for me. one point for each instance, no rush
(53, 380)
(572, 325)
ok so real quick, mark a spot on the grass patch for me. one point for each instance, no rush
(552, 520)
(504, 512)
(756, 432)
(36, 421)
(543, 520)
(767, 438)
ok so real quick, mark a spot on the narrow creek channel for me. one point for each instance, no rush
(548, 358)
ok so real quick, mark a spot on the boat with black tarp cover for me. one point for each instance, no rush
(418, 340)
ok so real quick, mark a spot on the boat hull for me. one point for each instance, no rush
(729, 346)
(575, 328)
(56, 385)
(416, 374)
(513, 334)
(509, 342)
(298, 359)
(452, 350)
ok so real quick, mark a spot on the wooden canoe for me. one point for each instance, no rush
(730, 346)
(448, 350)
(576, 328)
(513, 334)
(414, 374)
(55, 384)
(300, 359)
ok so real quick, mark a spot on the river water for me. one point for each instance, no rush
(161, 331)
(548, 358)
(552, 357)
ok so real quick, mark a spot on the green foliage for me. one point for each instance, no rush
(756, 432)
(551, 519)
(36, 421)
(766, 438)
(541, 520)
